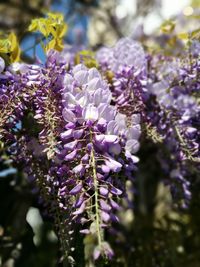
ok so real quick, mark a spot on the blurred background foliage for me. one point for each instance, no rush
(155, 234)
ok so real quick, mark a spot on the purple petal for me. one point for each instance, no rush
(78, 133)
(132, 146)
(104, 205)
(99, 138)
(2, 64)
(70, 182)
(107, 250)
(69, 100)
(94, 84)
(70, 125)
(106, 112)
(80, 210)
(78, 68)
(114, 204)
(134, 132)
(81, 76)
(71, 145)
(93, 72)
(68, 115)
(38, 116)
(96, 253)
(76, 189)
(103, 191)
(110, 138)
(83, 220)
(85, 231)
(71, 155)
(115, 149)
(115, 191)
(132, 157)
(90, 113)
(68, 79)
(105, 216)
(79, 169)
(114, 218)
(102, 96)
(79, 201)
(121, 121)
(136, 118)
(112, 127)
(113, 165)
(105, 168)
(66, 135)
(85, 158)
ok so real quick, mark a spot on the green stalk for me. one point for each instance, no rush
(96, 194)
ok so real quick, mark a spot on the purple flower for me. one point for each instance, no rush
(2, 65)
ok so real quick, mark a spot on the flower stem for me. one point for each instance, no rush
(96, 195)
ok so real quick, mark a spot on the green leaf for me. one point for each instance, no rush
(53, 27)
(195, 34)
(86, 57)
(183, 36)
(9, 48)
(168, 26)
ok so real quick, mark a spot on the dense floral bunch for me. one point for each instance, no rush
(98, 146)
(175, 84)
(172, 117)
(90, 144)
(88, 125)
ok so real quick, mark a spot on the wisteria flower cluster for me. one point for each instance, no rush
(88, 125)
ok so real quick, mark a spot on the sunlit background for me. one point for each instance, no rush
(95, 23)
